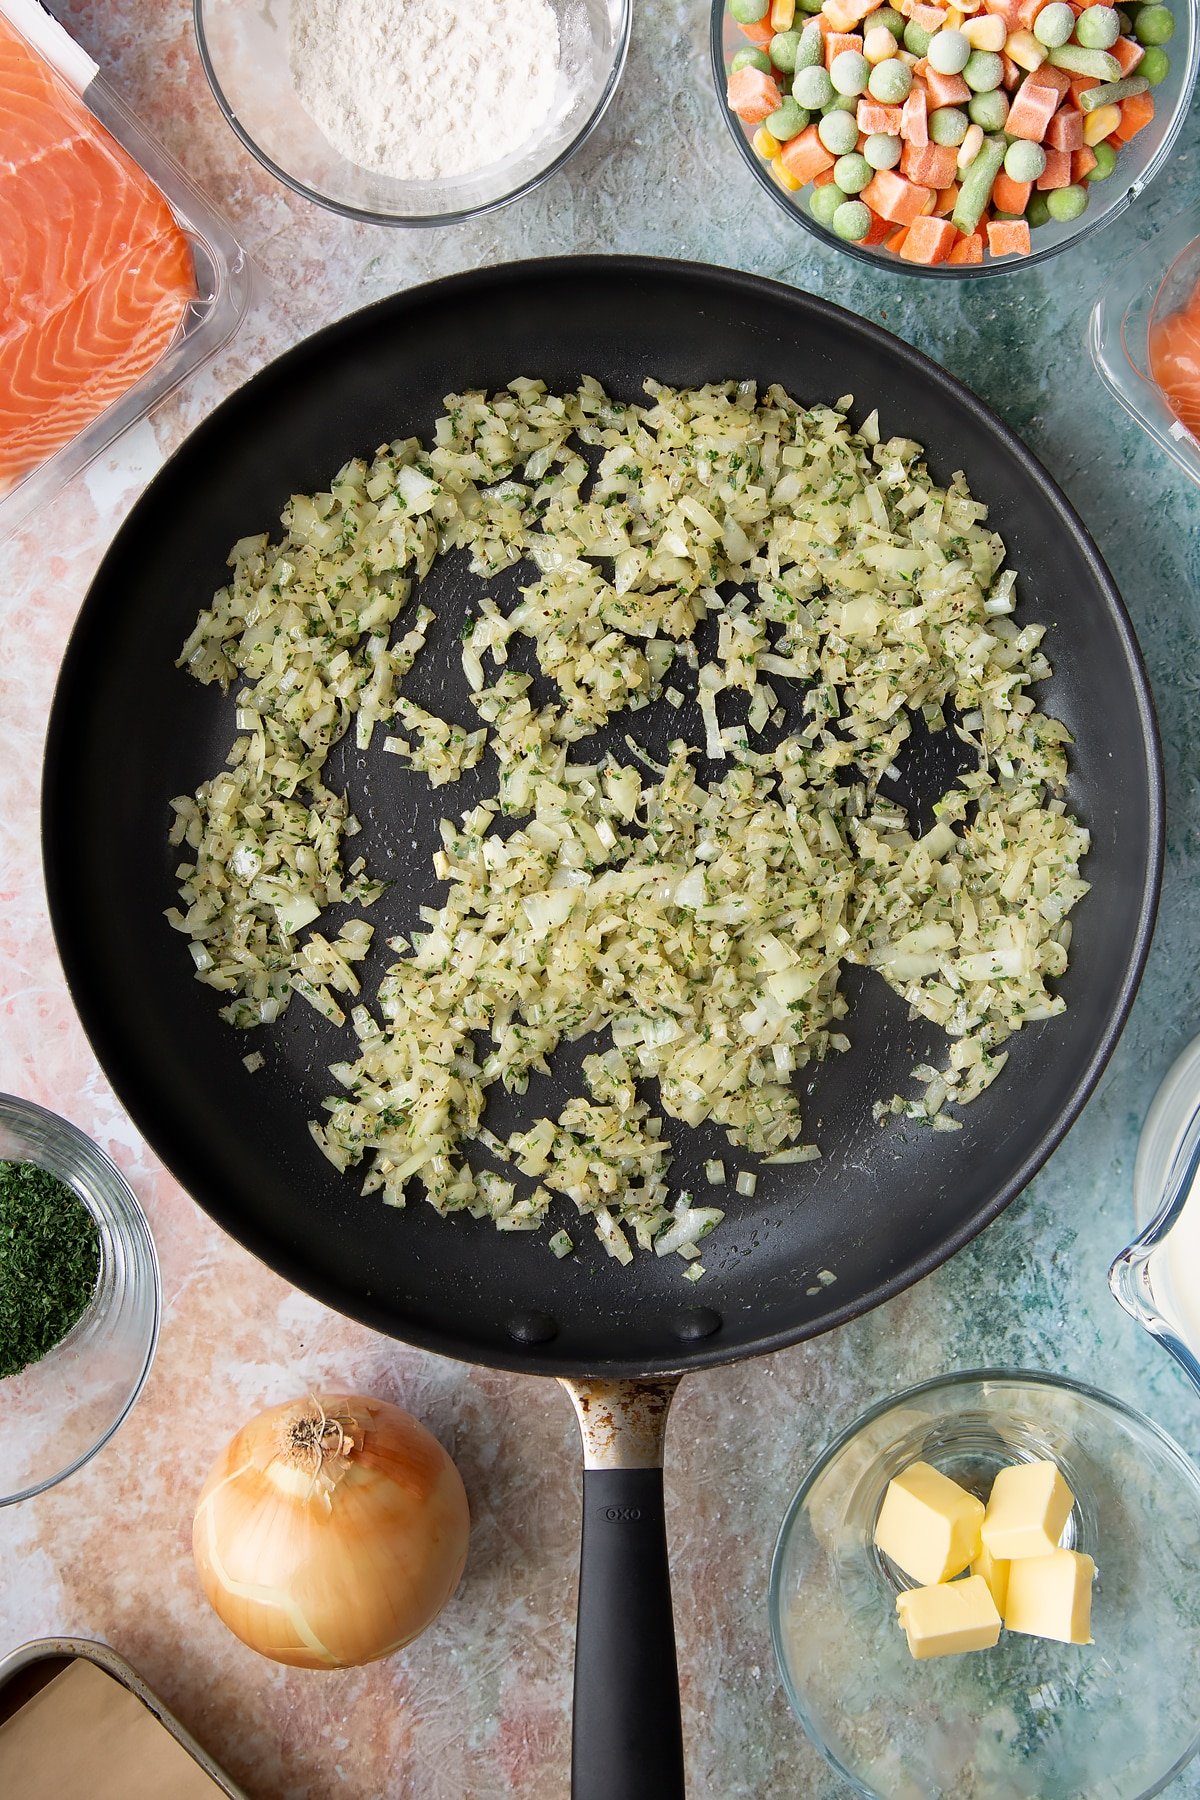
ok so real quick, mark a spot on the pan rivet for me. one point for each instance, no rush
(698, 1322)
(532, 1327)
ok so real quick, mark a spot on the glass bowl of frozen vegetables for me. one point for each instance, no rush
(79, 1299)
(954, 142)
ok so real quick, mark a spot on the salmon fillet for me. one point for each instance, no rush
(95, 273)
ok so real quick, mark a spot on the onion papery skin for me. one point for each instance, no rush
(325, 1562)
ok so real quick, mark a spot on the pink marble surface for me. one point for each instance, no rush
(480, 1705)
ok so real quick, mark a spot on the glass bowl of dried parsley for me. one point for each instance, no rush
(79, 1299)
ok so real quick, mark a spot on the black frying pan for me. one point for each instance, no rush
(883, 1206)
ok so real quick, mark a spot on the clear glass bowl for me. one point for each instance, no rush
(58, 1412)
(1154, 281)
(1137, 165)
(1113, 1720)
(244, 48)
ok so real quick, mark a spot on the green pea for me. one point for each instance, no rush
(1124, 22)
(947, 125)
(849, 72)
(852, 172)
(823, 202)
(841, 103)
(810, 51)
(1106, 162)
(1155, 65)
(984, 71)
(852, 221)
(1038, 210)
(916, 39)
(784, 46)
(1024, 161)
(890, 20)
(949, 52)
(1054, 25)
(1154, 25)
(1005, 217)
(1097, 28)
(1067, 203)
(809, 6)
(838, 132)
(882, 150)
(812, 88)
(788, 121)
(749, 12)
(988, 111)
(751, 59)
(890, 82)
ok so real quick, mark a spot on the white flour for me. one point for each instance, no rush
(424, 89)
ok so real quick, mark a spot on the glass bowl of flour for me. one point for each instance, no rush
(413, 112)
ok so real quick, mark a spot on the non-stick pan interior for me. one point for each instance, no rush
(816, 1243)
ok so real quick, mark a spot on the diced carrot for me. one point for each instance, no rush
(872, 116)
(753, 96)
(967, 249)
(1065, 130)
(1083, 161)
(1127, 53)
(1030, 114)
(1057, 173)
(760, 34)
(1050, 77)
(1008, 10)
(1028, 11)
(896, 241)
(929, 18)
(823, 179)
(805, 156)
(894, 198)
(879, 232)
(844, 15)
(1008, 237)
(837, 41)
(943, 90)
(1011, 73)
(945, 200)
(824, 24)
(1010, 196)
(933, 165)
(1080, 85)
(914, 116)
(1136, 113)
(929, 241)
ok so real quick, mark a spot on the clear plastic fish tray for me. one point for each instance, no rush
(1156, 280)
(224, 277)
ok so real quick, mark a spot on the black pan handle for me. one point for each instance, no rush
(628, 1739)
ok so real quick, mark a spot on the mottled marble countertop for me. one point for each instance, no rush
(480, 1705)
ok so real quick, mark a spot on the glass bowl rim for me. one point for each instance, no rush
(959, 271)
(413, 221)
(955, 1378)
(134, 1229)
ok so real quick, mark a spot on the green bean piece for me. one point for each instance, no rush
(976, 189)
(1077, 61)
(1112, 91)
(1154, 25)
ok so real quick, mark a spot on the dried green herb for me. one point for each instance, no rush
(49, 1261)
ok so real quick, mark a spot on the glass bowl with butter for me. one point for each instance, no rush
(937, 1697)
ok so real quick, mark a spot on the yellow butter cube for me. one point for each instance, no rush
(1026, 1511)
(995, 1573)
(928, 1525)
(1051, 1597)
(949, 1618)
